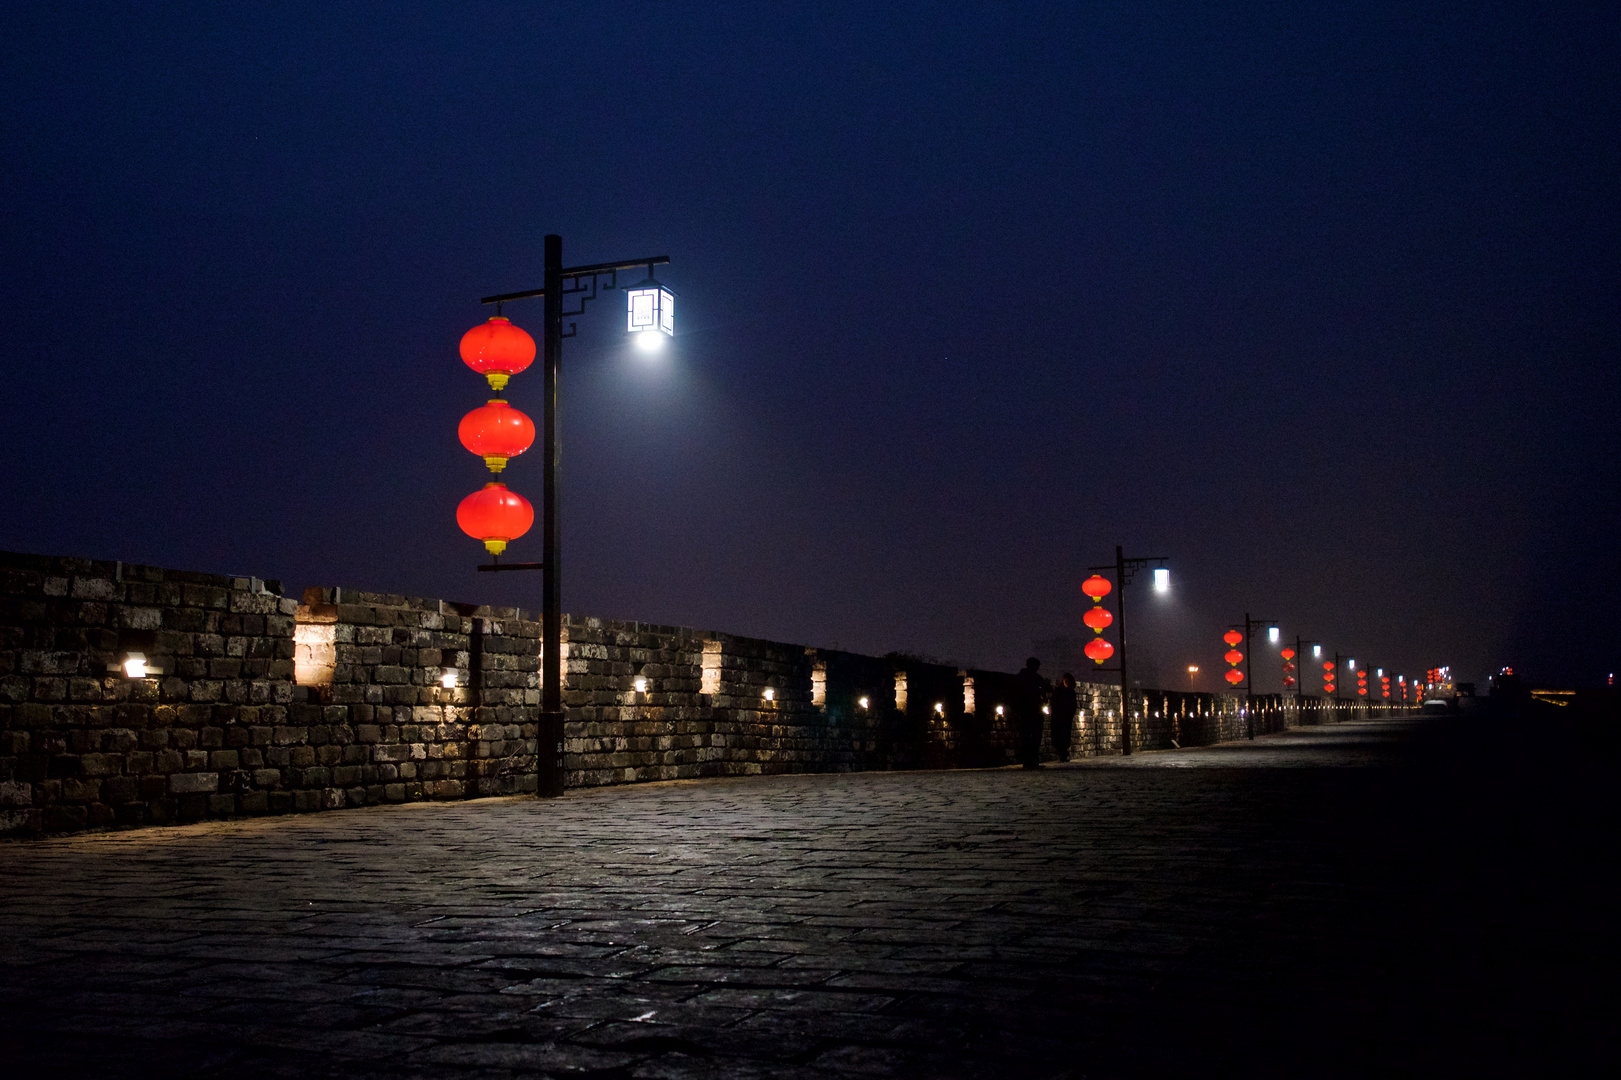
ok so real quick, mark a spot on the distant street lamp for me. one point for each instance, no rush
(1250, 625)
(1099, 650)
(499, 351)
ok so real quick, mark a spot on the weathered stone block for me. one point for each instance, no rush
(194, 783)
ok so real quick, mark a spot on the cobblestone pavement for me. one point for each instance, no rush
(1388, 904)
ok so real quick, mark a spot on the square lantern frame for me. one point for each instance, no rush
(650, 306)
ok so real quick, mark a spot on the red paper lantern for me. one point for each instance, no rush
(1096, 586)
(1288, 654)
(497, 350)
(1329, 665)
(1362, 691)
(495, 515)
(1098, 650)
(1235, 676)
(1097, 619)
(1233, 656)
(1328, 688)
(495, 431)
(1232, 637)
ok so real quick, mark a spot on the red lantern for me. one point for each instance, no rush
(495, 431)
(1098, 650)
(1235, 676)
(1233, 656)
(1288, 654)
(1096, 586)
(1328, 665)
(497, 350)
(1097, 619)
(495, 515)
(1362, 691)
(1328, 688)
(1232, 637)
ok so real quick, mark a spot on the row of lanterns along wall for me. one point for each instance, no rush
(496, 432)
(1233, 657)
(1098, 618)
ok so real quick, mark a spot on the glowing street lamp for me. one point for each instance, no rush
(498, 353)
(650, 313)
(1098, 650)
(1162, 579)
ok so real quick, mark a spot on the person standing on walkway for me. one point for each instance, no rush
(1063, 715)
(1031, 692)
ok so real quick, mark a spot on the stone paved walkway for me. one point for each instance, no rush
(1387, 904)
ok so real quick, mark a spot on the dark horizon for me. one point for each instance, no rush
(1320, 304)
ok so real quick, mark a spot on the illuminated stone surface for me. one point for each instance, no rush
(1379, 906)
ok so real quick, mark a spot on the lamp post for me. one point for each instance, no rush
(1124, 570)
(1300, 672)
(651, 311)
(1250, 626)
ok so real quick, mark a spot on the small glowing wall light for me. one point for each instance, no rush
(448, 678)
(650, 312)
(1162, 579)
(134, 666)
(939, 708)
(640, 683)
(1001, 711)
(864, 702)
(770, 694)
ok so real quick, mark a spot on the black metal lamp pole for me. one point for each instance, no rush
(1300, 674)
(1124, 569)
(583, 282)
(1249, 625)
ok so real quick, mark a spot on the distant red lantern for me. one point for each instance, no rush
(1362, 691)
(1329, 665)
(1232, 637)
(1098, 650)
(497, 350)
(1097, 619)
(1233, 656)
(496, 432)
(1235, 676)
(1287, 654)
(495, 515)
(1096, 586)
(1328, 688)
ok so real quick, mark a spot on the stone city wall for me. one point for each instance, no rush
(262, 704)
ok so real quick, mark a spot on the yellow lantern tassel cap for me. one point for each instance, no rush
(495, 546)
(495, 461)
(498, 380)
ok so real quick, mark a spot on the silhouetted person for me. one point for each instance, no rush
(1063, 715)
(1030, 690)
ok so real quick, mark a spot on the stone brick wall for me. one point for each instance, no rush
(224, 729)
(263, 704)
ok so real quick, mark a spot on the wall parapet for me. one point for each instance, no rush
(262, 704)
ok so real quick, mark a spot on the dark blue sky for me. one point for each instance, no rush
(1319, 300)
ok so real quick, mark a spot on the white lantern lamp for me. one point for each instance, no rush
(650, 313)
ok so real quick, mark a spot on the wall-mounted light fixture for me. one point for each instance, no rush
(1000, 710)
(864, 703)
(939, 708)
(448, 678)
(134, 666)
(640, 683)
(770, 694)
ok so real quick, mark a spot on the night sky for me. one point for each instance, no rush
(1320, 301)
